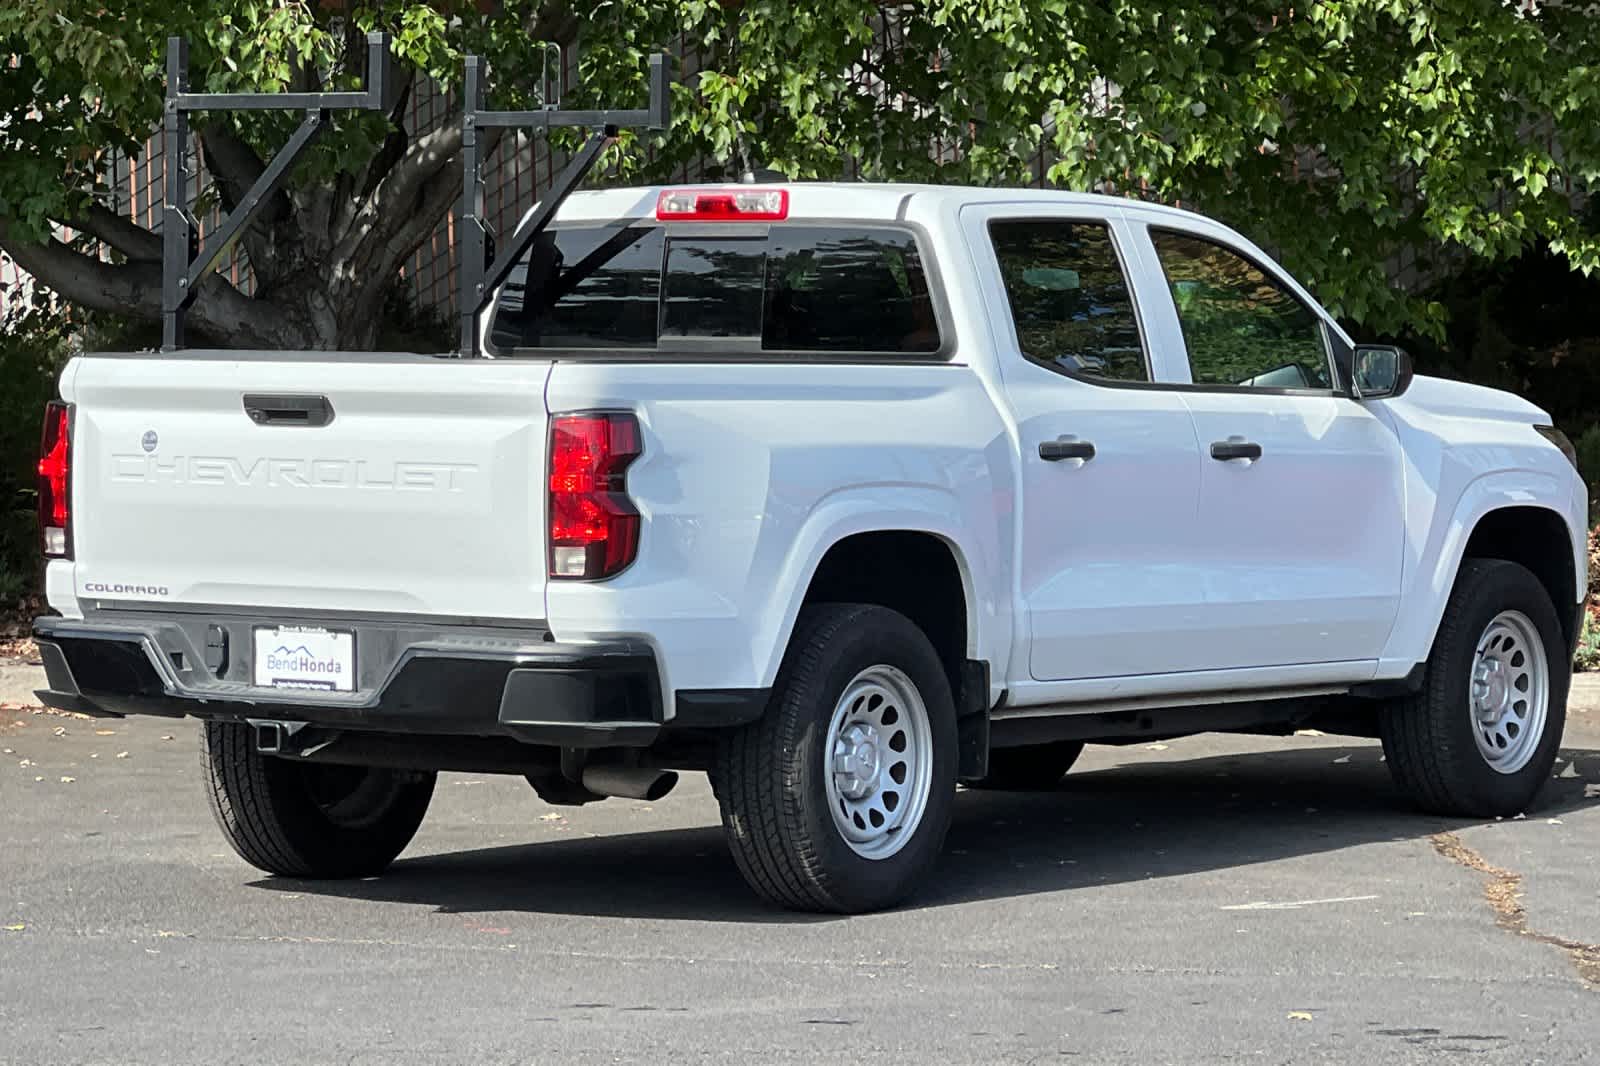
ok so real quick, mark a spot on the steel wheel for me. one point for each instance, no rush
(839, 796)
(879, 754)
(1510, 692)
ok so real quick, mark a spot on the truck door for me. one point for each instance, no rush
(1300, 530)
(1110, 467)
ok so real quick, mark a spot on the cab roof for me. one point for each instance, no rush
(868, 201)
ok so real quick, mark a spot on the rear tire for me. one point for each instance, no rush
(1480, 736)
(311, 820)
(839, 797)
(1033, 768)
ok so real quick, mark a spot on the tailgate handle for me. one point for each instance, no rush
(288, 410)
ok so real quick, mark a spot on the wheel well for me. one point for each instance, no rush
(913, 573)
(1538, 539)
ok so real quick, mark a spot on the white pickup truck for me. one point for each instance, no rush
(843, 494)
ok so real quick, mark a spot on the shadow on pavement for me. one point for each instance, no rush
(1132, 822)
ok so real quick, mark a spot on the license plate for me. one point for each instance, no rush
(305, 657)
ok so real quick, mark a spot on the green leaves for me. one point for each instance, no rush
(1344, 135)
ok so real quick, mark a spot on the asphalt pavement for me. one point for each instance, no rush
(1207, 900)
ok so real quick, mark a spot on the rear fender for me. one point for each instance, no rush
(878, 508)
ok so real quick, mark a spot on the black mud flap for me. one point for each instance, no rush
(972, 721)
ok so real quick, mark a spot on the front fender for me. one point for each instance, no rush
(1438, 558)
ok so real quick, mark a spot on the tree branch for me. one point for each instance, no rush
(235, 166)
(118, 233)
(134, 289)
(394, 145)
(434, 202)
(130, 288)
(386, 209)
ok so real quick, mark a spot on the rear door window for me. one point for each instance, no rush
(1069, 299)
(792, 288)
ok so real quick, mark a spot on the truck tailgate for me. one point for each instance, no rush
(422, 493)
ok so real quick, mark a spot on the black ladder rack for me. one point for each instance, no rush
(479, 275)
(183, 264)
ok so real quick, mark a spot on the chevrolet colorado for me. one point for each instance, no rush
(842, 494)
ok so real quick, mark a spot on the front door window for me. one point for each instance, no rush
(1241, 327)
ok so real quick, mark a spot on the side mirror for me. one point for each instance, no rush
(1380, 371)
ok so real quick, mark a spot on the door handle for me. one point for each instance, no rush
(288, 410)
(1235, 449)
(1053, 451)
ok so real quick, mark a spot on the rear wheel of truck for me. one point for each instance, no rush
(839, 797)
(1479, 738)
(313, 820)
(1028, 769)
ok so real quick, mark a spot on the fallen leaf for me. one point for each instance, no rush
(59, 731)
(1520, 818)
(105, 732)
(1309, 733)
(1300, 1016)
(1155, 747)
(94, 755)
(19, 927)
(1554, 821)
(38, 779)
(1341, 759)
(7, 751)
(551, 817)
(65, 780)
(24, 764)
(167, 736)
(122, 755)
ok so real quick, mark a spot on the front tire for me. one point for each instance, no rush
(839, 797)
(1480, 736)
(311, 820)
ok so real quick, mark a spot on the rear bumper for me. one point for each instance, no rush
(417, 679)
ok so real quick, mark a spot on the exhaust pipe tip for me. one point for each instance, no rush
(629, 782)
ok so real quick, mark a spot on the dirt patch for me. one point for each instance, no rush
(1503, 891)
(19, 650)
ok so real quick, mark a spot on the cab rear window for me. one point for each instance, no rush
(791, 288)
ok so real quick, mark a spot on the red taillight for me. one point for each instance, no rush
(55, 480)
(734, 204)
(593, 527)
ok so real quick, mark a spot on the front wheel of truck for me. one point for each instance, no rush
(1480, 736)
(839, 797)
(312, 820)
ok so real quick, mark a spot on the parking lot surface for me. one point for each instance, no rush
(1204, 900)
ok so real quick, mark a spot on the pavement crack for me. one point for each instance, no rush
(1503, 892)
